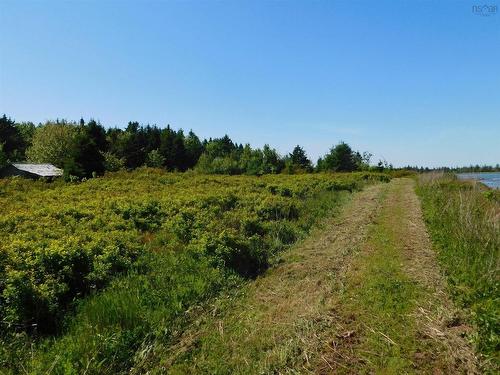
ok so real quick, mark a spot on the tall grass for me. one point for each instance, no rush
(463, 218)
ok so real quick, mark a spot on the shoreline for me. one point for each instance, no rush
(490, 184)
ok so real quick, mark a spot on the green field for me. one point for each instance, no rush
(93, 271)
(151, 271)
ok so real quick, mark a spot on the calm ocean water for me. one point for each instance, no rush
(491, 179)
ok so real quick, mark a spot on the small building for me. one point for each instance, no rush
(31, 170)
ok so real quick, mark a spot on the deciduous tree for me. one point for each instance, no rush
(53, 143)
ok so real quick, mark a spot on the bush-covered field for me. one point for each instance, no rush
(90, 273)
(463, 218)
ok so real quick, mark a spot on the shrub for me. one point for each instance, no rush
(277, 209)
(145, 216)
(113, 163)
(155, 159)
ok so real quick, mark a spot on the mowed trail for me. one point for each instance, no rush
(363, 294)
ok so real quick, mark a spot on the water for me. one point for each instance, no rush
(491, 179)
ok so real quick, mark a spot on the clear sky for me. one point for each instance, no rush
(414, 82)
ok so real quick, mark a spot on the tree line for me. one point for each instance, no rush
(86, 149)
(465, 169)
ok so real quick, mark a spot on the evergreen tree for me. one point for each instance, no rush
(299, 160)
(153, 138)
(180, 161)
(341, 158)
(3, 157)
(251, 161)
(86, 159)
(272, 163)
(167, 147)
(11, 139)
(220, 147)
(133, 146)
(194, 149)
(113, 136)
(97, 134)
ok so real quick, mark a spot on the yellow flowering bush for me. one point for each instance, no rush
(60, 242)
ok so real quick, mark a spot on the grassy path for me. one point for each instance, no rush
(395, 314)
(361, 295)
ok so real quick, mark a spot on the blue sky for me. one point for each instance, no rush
(412, 82)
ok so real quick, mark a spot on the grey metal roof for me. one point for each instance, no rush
(44, 170)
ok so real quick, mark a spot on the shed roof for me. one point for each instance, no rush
(44, 170)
